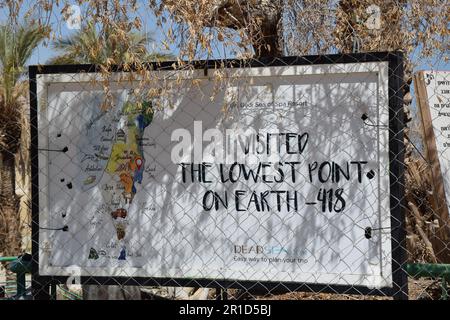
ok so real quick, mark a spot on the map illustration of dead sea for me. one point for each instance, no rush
(113, 163)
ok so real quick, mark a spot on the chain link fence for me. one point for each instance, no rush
(340, 204)
(350, 202)
(114, 217)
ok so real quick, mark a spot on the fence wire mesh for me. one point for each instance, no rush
(174, 225)
(89, 170)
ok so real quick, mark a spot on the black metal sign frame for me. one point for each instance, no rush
(41, 284)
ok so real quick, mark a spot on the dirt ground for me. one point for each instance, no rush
(421, 289)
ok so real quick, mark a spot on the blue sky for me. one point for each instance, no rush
(45, 51)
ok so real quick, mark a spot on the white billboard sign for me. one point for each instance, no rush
(274, 178)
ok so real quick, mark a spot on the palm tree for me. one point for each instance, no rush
(89, 45)
(17, 44)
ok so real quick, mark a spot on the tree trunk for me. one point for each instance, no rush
(259, 19)
(267, 45)
(10, 241)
